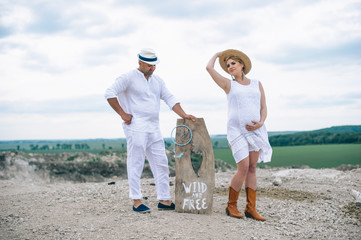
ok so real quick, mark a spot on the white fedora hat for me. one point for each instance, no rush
(148, 55)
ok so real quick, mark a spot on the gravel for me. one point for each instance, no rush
(298, 204)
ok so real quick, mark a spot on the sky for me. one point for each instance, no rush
(58, 57)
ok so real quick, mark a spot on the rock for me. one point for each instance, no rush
(277, 181)
(356, 195)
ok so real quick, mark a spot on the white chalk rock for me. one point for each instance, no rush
(357, 195)
(277, 181)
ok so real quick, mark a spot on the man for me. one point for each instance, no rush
(136, 96)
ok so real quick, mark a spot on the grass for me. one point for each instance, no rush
(55, 146)
(314, 156)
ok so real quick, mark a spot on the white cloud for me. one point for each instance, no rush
(16, 17)
(60, 53)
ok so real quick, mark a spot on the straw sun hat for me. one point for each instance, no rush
(236, 53)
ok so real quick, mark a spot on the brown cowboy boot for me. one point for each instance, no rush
(250, 210)
(232, 209)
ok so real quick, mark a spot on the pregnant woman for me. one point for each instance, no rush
(246, 132)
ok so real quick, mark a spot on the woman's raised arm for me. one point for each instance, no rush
(221, 81)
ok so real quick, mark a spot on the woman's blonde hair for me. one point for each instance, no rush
(235, 58)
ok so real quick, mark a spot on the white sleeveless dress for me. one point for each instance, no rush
(244, 106)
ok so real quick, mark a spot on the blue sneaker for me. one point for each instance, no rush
(166, 207)
(141, 209)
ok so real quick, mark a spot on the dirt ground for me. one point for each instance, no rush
(298, 204)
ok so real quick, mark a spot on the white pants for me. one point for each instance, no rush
(150, 145)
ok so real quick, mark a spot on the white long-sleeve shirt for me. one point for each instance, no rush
(141, 98)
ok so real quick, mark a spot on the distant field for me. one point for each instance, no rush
(314, 156)
(59, 146)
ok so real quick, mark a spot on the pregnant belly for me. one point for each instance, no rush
(245, 118)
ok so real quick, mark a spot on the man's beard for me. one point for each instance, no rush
(148, 73)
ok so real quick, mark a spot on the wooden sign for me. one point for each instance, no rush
(194, 181)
